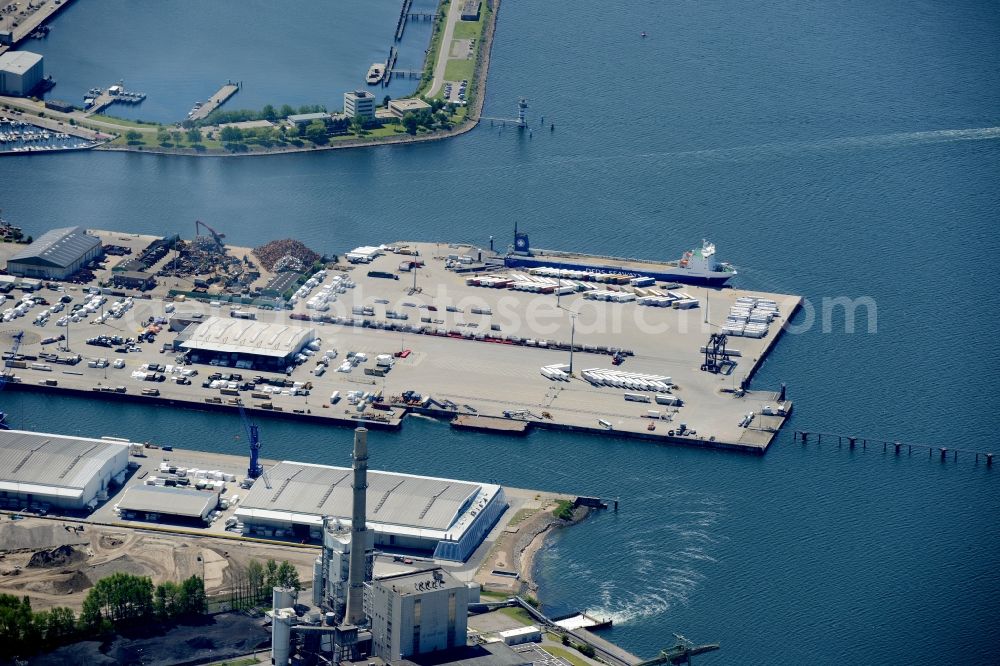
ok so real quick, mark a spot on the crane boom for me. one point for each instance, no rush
(4, 377)
(255, 469)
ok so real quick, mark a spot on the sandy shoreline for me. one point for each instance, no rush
(526, 563)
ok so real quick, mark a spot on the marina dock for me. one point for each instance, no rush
(215, 101)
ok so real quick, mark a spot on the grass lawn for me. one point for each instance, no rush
(123, 122)
(460, 70)
(471, 29)
(572, 656)
(519, 614)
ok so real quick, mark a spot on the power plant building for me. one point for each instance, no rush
(245, 343)
(416, 613)
(20, 72)
(40, 470)
(56, 254)
(406, 512)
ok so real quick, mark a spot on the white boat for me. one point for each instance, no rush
(375, 73)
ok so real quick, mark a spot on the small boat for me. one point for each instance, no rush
(375, 73)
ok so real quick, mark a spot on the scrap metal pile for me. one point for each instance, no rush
(285, 255)
(210, 260)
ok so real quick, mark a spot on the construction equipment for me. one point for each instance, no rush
(4, 377)
(717, 358)
(216, 237)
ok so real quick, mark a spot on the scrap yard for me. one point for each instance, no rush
(455, 332)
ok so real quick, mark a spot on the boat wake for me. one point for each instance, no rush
(669, 577)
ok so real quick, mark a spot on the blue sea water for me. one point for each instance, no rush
(834, 149)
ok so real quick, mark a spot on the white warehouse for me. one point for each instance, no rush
(406, 512)
(40, 470)
(245, 343)
(20, 72)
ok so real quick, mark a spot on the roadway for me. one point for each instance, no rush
(454, 12)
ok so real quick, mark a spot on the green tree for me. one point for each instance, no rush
(288, 576)
(255, 580)
(194, 135)
(286, 110)
(192, 596)
(268, 113)
(167, 600)
(120, 597)
(357, 125)
(231, 134)
(162, 136)
(316, 132)
(60, 626)
(133, 136)
(386, 100)
(410, 122)
(270, 574)
(176, 137)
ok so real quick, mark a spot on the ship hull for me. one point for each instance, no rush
(661, 272)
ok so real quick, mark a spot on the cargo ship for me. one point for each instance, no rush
(698, 266)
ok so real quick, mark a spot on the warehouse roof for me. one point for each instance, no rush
(18, 62)
(244, 336)
(58, 247)
(169, 501)
(52, 463)
(405, 500)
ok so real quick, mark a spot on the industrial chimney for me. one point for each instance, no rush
(359, 536)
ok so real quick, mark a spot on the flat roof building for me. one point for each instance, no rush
(306, 118)
(56, 254)
(20, 72)
(167, 504)
(134, 280)
(401, 107)
(417, 613)
(359, 103)
(42, 470)
(470, 10)
(246, 343)
(440, 516)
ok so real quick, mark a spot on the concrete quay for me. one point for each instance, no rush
(28, 24)
(477, 352)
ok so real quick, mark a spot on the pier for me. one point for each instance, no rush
(443, 353)
(401, 22)
(105, 97)
(215, 101)
(853, 442)
(27, 25)
(390, 62)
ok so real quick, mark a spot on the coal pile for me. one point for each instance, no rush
(59, 556)
(287, 254)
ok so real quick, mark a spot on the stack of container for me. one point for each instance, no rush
(556, 372)
(627, 380)
(750, 317)
(611, 296)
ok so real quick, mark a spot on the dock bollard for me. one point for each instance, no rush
(805, 437)
(989, 459)
(944, 452)
(897, 448)
(851, 441)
